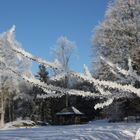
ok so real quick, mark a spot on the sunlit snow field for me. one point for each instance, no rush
(93, 131)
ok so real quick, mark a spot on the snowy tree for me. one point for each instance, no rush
(117, 39)
(63, 53)
(118, 36)
(9, 82)
(42, 75)
(43, 107)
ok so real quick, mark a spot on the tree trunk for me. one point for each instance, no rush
(9, 109)
(12, 111)
(2, 113)
(67, 100)
(66, 86)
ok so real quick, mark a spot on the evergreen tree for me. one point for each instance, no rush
(43, 74)
(43, 106)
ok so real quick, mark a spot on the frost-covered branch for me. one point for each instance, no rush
(114, 66)
(130, 72)
(102, 105)
(52, 91)
(99, 88)
(108, 84)
(13, 44)
(58, 77)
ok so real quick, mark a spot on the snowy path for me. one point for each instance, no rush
(94, 131)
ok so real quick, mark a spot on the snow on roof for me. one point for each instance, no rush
(69, 111)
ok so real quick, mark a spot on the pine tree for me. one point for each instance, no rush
(44, 106)
(43, 74)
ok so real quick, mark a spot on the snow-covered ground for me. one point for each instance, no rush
(97, 130)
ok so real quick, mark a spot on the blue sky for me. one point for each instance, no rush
(39, 23)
